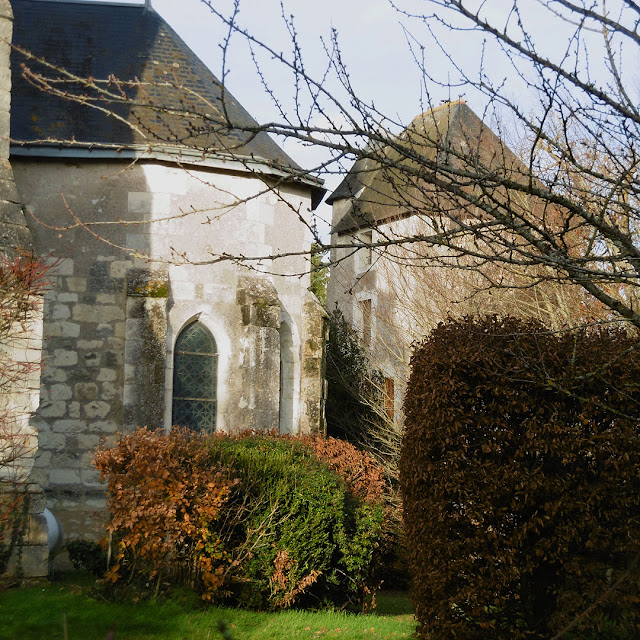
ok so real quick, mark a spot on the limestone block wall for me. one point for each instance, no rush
(145, 348)
(19, 491)
(313, 384)
(81, 394)
(18, 442)
(130, 276)
(389, 289)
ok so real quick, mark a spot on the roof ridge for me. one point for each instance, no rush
(440, 107)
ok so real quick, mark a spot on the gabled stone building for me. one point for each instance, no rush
(139, 186)
(395, 293)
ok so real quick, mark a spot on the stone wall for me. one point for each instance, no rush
(120, 300)
(21, 499)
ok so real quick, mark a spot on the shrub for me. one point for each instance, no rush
(519, 473)
(258, 520)
(355, 402)
(362, 475)
(164, 498)
(357, 407)
(311, 539)
(87, 555)
(365, 478)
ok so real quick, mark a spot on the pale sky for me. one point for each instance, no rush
(374, 47)
(372, 41)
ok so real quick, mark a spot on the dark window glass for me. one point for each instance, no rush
(195, 368)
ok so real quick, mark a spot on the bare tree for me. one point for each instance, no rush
(480, 203)
(22, 281)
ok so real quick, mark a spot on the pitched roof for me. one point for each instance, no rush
(386, 184)
(130, 43)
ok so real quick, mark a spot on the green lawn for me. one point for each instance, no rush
(39, 613)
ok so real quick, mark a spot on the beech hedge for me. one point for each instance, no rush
(520, 474)
(262, 521)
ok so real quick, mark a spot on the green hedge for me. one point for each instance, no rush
(301, 520)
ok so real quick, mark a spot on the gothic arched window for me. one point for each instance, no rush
(195, 367)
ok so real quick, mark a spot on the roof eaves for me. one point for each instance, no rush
(175, 155)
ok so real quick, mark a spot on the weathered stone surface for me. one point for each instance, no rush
(64, 476)
(55, 409)
(121, 318)
(97, 409)
(76, 284)
(61, 392)
(10, 212)
(55, 442)
(6, 12)
(88, 441)
(8, 189)
(100, 280)
(74, 409)
(147, 283)
(92, 359)
(145, 357)
(102, 427)
(60, 312)
(69, 426)
(108, 391)
(86, 391)
(32, 562)
(12, 238)
(106, 375)
(259, 302)
(64, 358)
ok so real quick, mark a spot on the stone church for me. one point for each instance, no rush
(162, 210)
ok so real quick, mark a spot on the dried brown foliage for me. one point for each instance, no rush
(22, 282)
(282, 566)
(519, 472)
(164, 494)
(363, 476)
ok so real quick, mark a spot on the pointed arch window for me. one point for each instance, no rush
(195, 369)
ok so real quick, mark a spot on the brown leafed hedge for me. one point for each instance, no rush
(520, 476)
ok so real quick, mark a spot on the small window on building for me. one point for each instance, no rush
(195, 368)
(365, 255)
(389, 397)
(365, 319)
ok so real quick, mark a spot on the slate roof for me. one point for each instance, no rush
(382, 193)
(129, 43)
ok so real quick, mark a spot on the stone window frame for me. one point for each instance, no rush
(364, 256)
(179, 318)
(289, 360)
(369, 341)
(199, 364)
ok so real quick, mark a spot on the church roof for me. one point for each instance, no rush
(133, 45)
(386, 184)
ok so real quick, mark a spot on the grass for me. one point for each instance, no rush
(41, 612)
